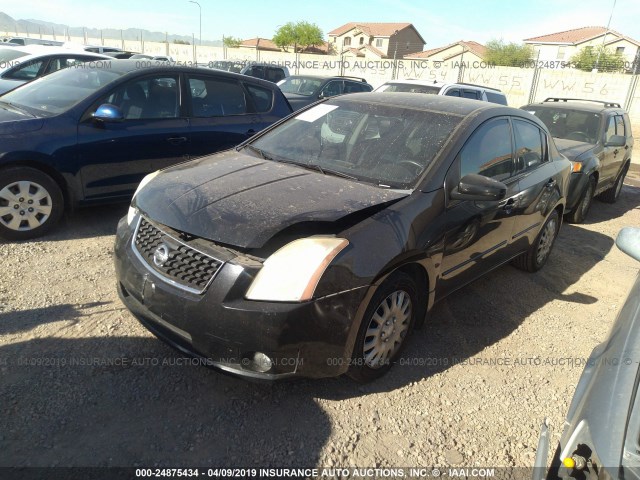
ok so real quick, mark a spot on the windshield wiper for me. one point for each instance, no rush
(13, 106)
(328, 171)
(259, 151)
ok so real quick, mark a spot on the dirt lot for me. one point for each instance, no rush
(60, 320)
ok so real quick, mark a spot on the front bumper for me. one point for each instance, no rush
(310, 339)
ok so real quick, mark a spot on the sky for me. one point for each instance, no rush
(439, 23)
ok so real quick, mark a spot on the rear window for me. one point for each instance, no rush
(496, 97)
(9, 54)
(409, 88)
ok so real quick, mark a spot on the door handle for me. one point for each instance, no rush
(176, 140)
(550, 184)
(615, 152)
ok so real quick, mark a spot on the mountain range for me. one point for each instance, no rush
(9, 26)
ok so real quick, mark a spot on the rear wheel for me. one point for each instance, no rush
(582, 208)
(31, 203)
(535, 258)
(387, 323)
(612, 194)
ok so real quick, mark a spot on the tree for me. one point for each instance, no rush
(300, 34)
(181, 42)
(601, 58)
(232, 42)
(508, 54)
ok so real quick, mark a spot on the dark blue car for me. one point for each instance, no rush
(89, 134)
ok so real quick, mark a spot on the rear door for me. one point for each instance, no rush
(223, 113)
(539, 182)
(614, 156)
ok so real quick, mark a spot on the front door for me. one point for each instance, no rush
(115, 156)
(478, 238)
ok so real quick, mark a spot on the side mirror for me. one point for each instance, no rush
(616, 141)
(479, 187)
(628, 240)
(108, 113)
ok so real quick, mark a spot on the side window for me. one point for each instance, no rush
(530, 151)
(488, 152)
(620, 126)
(262, 97)
(473, 94)
(611, 128)
(26, 71)
(59, 63)
(453, 92)
(149, 98)
(216, 97)
(332, 88)
(274, 74)
(354, 87)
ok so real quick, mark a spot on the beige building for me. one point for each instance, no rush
(376, 40)
(467, 52)
(562, 46)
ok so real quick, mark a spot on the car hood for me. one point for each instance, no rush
(572, 149)
(241, 200)
(14, 120)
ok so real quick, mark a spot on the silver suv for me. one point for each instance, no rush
(464, 90)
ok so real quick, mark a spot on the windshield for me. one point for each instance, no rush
(567, 124)
(8, 54)
(306, 86)
(385, 145)
(408, 87)
(61, 90)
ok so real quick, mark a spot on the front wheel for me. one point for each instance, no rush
(612, 194)
(387, 323)
(582, 208)
(31, 203)
(534, 259)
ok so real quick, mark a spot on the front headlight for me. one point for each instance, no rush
(145, 180)
(133, 212)
(292, 273)
(131, 215)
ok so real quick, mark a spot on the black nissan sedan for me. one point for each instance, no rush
(314, 248)
(89, 133)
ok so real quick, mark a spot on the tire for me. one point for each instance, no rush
(582, 207)
(612, 194)
(31, 203)
(534, 259)
(392, 314)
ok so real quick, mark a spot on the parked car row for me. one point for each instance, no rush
(83, 136)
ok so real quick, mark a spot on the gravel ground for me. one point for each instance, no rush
(476, 382)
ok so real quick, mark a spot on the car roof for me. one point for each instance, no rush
(330, 77)
(47, 50)
(128, 66)
(577, 104)
(436, 103)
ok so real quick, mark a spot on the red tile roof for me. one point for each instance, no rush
(576, 36)
(470, 46)
(260, 44)
(372, 29)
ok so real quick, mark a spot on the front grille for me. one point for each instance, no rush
(184, 266)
